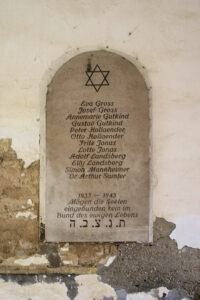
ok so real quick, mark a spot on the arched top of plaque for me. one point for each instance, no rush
(97, 151)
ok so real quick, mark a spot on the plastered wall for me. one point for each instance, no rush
(37, 37)
(160, 37)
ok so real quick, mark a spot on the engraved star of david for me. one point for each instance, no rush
(97, 78)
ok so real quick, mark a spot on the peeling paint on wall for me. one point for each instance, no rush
(21, 251)
(19, 240)
(19, 220)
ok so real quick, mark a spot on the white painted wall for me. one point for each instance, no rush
(38, 36)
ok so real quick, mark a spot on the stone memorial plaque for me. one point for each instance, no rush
(97, 151)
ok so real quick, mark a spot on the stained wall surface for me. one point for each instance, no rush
(38, 37)
(160, 37)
